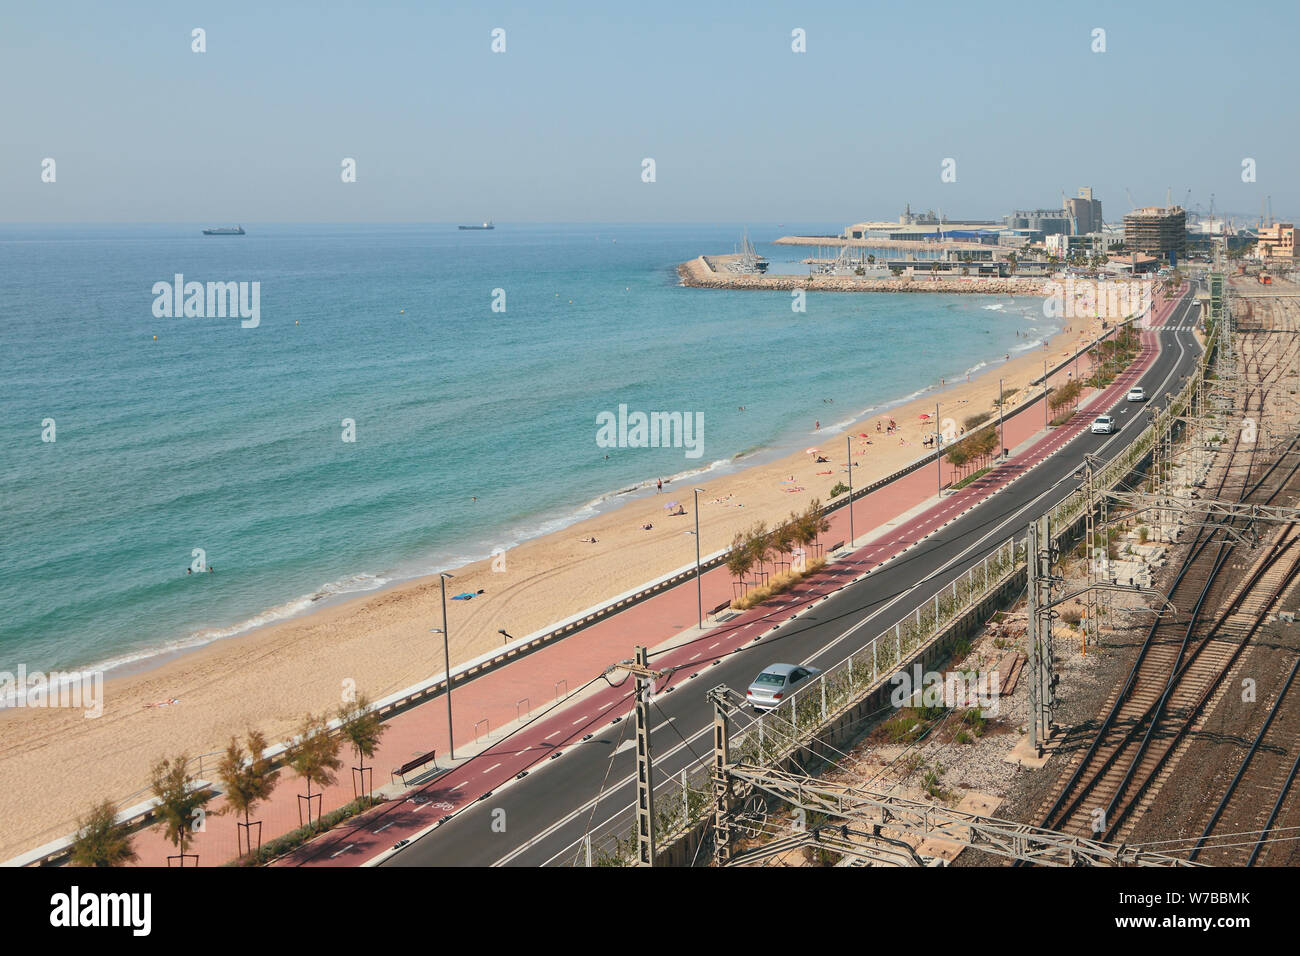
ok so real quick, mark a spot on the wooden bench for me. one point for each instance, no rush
(723, 609)
(415, 764)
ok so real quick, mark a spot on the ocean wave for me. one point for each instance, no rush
(352, 584)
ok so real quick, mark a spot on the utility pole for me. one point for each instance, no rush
(721, 783)
(645, 790)
(1090, 535)
(1041, 682)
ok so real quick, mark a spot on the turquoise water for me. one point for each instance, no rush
(228, 439)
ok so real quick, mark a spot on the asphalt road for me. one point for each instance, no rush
(542, 818)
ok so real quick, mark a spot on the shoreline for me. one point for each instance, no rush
(268, 676)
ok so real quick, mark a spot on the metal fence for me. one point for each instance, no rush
(681, 804)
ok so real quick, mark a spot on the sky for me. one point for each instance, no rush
(555, 129)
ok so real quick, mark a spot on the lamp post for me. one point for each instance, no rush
(699, 592)
(1002, 404)
(446, 656)
(938, 444)
(1046, 419)
(848, 451)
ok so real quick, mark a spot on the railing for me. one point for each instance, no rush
(780, 732)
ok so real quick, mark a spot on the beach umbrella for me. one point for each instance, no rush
(811, 451)
(671, 504)
(925, 415)
(863, 435)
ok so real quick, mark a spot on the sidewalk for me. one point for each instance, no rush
(886, 522)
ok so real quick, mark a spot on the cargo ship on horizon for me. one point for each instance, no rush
(225, 231)
(486, 225)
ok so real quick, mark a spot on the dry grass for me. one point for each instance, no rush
(782, 582)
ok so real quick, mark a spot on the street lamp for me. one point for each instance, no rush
(699, 592)
(507, 637)
(938, 445)
(446, 656)
(848, 451)
(1002, 404)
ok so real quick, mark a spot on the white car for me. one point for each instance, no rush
(776, 683)
(1103, 425)
(1137, 394)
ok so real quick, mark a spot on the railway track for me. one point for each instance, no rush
(1186, 656)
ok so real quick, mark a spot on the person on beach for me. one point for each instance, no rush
(817, 426)
(661, 486)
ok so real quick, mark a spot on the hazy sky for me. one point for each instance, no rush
(555, 129)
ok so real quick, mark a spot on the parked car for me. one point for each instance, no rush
(776, 683)
(1103, 425)
(1137, 394)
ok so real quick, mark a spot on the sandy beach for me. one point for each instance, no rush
(55, 763)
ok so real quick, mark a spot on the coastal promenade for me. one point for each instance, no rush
(502, 723)
(889, 522)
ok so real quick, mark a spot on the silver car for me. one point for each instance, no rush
(1103, 425)
(776, 683)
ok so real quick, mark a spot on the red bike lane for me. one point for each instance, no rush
(547, 736)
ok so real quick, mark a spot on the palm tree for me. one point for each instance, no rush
(179, 802)
(100, 841)
(314, 756)
(248, 779)
(360, 726)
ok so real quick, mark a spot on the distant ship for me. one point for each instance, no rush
(224, 231)
(486, 225)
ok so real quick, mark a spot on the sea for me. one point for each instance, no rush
(469, 369)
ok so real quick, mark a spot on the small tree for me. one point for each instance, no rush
(179, 802)
(100, 841)
(739, 559)
(783, 539)
(314, 756)
(812, 523)
(360, 726)
(247, 778)
(760, 544)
